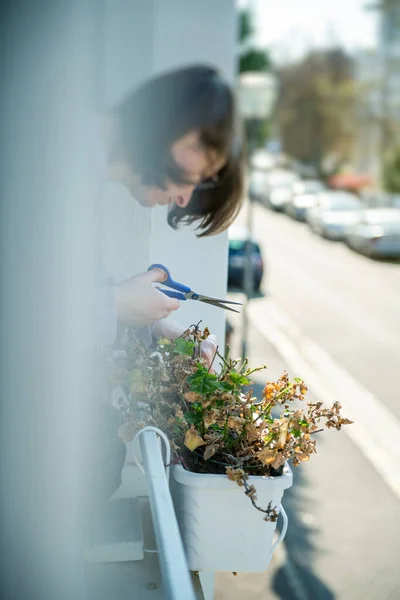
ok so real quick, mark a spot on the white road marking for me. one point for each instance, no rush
(376, 431)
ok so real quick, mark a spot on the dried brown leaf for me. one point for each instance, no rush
(193, 439)
(252, 433)
(193, 397)
(283, 434)
(210, 451)
(235, 423)
(267, 455)
(237, 475)
(210, 418)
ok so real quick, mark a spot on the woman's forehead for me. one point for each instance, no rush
(192, 156)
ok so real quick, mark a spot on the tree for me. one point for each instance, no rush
(391, 172)
(251, 58)
(316, 108)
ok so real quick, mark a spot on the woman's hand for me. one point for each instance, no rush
(139, 303)
(208, 350)
(171, 330)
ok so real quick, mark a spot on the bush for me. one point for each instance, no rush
(391, 172)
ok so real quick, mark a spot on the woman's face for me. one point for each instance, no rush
(197, 164)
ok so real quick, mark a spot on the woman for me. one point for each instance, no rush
(173, 141)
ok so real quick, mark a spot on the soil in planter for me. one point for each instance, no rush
(194, 462)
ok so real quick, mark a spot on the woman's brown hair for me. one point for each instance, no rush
(165, 109)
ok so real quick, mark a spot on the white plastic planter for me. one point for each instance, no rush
(221, 529)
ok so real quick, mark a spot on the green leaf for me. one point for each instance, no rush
(297, 379)
(192, 418)
(224, 386)
(178, 430)
(237, 379)
(203, 382)
(296, 432)
(215, 427)
(184, 347)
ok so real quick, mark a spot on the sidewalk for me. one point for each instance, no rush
(342, 541)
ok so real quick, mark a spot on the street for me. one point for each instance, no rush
(324, 307)
(347, 303)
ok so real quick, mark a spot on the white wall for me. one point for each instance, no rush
(189, 31)
(124, 60)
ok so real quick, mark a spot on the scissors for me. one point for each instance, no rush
(183, 292)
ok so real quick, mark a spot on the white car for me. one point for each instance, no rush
(333, 213)
(279, 191)
(272, 188)
(304, 194)
(262, 160)
(377, 233)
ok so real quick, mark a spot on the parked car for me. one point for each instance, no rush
(304, 170)
(304, 194)
(262, 160)
(377, 233)
(279, 196)
(271, 188)
(333, 213)
(380, 199)
(237, 259)
(279, 190)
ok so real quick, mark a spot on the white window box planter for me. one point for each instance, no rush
(221, 529)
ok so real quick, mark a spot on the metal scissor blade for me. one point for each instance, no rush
(220, 300)
(219, 304)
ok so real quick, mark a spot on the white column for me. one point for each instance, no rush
(46, 270)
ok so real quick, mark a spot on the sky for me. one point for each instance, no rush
(291, 27)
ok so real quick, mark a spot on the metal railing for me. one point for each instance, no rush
(175, 572)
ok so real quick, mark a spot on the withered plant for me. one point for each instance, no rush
(213, 421)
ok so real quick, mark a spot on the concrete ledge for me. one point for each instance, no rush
(116, 534)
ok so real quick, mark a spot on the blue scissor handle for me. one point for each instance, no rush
(169, 282)
(173, 294)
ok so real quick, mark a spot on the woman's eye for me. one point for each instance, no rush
(197, 146)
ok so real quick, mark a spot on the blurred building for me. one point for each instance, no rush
(378, 76)
(389, 52)
(368, 74)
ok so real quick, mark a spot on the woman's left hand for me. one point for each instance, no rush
(171, 330)
(208, 350)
